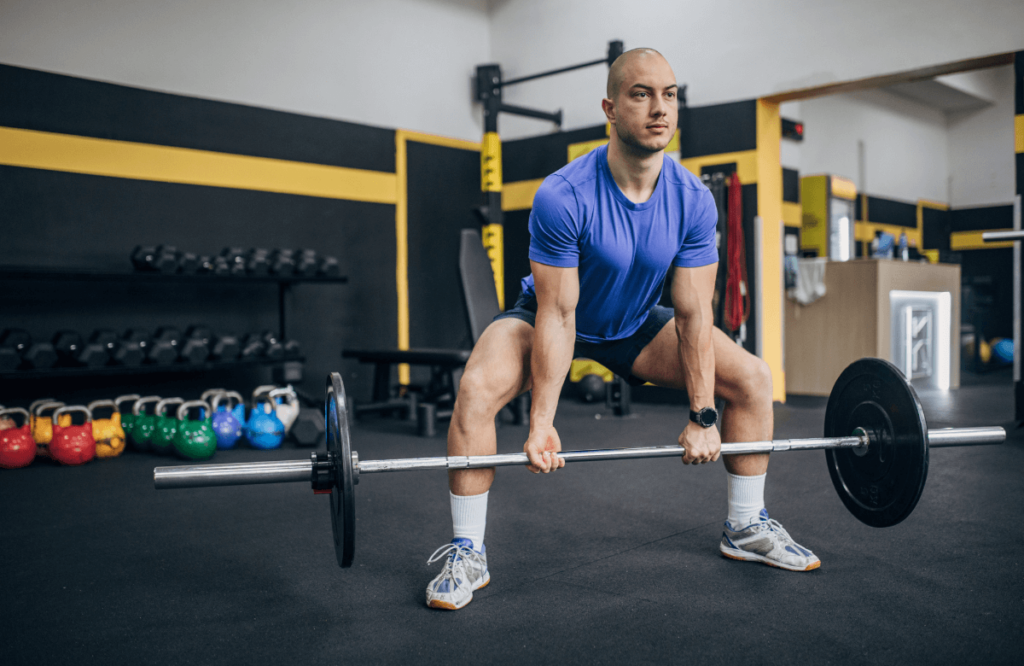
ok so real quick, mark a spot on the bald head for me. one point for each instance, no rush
(617, 72)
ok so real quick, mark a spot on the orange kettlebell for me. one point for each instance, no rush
(17, 448)
(42, 425)
(72, 444)
(107, 432)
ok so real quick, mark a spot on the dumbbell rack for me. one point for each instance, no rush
(284, 285)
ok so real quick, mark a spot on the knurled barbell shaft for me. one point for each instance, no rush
(198, 476)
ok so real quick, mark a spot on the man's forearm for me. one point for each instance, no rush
(554, 338)
(697, 353)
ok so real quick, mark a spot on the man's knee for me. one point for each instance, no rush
(754, 385)
(479, 393)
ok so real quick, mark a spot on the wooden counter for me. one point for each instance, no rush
(853, 320)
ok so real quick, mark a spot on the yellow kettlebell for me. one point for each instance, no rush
(107, 432)
(42, 424)
(32, 413)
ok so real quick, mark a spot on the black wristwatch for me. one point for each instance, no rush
(706, 417)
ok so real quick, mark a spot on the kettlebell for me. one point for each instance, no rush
(72, 444)
(264, 430)
(127, 419)
(286, 404)
(42, 425)
(108, 433)
(17, 448)
(195, 440)
(32, 411)
(207, 397)
(144, 424)
(166, 426)
(226, 426)
(6, 422)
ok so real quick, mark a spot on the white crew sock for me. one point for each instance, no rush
(746, 498)
(469, 517)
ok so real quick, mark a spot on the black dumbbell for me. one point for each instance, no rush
(163, 259)
(14, 342)
(328, 267)
(225, 348)
(196, 346)
(206, 265)
(187, 262)
(120, 352)
(282, 262)
(33, 355)
(306, 263)
(257, 261)
(166, 345)
(235, 259)
(253, 347)
(292, 349)
(308, 429)
(274, 349)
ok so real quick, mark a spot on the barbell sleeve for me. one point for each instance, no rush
(287, 471)
(996, 236)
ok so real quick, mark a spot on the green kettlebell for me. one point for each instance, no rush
(166, 426)
(195, 440)
(143, 424)
(127, 418)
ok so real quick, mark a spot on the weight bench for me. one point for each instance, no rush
(437, 399)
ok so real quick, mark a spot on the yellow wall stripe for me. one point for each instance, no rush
(769, 208)
(792, 214)
(971, 240)
(1018, 133)
(140, 161)
(746, 165)
(519, 195)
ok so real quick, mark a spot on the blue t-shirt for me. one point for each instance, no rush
(623, 249)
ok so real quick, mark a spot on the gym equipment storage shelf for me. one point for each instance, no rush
(146, 369)
(284, 284)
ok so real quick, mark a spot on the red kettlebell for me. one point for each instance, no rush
(17, 448)
(72, 444)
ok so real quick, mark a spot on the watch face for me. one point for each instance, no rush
(708, 417)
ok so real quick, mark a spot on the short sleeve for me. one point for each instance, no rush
(701, 221)
(554, 224)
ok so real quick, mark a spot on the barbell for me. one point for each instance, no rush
(876, 443)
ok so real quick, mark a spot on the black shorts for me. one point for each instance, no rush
(616, 355)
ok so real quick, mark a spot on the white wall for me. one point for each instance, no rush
(736, 50)
(393, 63)
(913, 150)
(906, 154)
(981, 153)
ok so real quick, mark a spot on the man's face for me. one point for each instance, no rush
(645, 108)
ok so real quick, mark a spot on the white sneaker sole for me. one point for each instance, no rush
(448, 605)
(745, 556)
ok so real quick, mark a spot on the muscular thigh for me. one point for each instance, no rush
(500, 363)
(660, 362)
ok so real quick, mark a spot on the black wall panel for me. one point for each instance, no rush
(444, 188)
(890, 211)
(935, 228)
(61, 219)
(719, 128)
(64, 104)
(517, 253)
(791, 185)
(541, 156)
(982, 217)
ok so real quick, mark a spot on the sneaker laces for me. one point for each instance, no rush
(455, 568)
(773, 525)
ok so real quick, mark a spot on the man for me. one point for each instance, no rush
(604, 230)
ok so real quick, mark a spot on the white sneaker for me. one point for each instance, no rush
(464, 571)
(764, 540)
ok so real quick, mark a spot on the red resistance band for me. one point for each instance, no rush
(737, 293)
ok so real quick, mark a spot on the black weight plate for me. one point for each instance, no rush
(339, 445)
(882, 486)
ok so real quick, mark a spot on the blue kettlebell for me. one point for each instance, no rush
(226, 426)
(264, 430)
(207, 397)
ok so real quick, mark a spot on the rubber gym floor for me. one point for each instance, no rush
(600, 563)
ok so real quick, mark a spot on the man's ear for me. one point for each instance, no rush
(608, 106)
